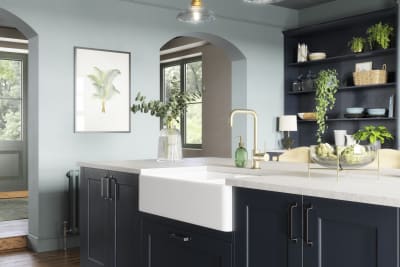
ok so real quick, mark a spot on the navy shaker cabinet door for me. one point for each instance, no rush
(267, 229)
(95, 222)
(168, 245)
(109, 219)
(348, 234)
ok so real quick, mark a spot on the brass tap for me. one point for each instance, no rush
(257, 156)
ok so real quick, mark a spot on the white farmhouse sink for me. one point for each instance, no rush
(196, 195)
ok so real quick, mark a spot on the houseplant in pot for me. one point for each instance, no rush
(171, 111)
(379, 35)
(357, 44)
(375, 135)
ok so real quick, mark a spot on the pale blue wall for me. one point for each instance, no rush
(110, 24)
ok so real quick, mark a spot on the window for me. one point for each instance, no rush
(11, 105)
(186, 75)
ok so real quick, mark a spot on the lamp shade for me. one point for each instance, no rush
(288, 123)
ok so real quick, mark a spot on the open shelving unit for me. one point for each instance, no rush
(332, 38)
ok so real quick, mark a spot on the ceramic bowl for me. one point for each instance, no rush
(317, 56)
(354, 110)
(376, 111)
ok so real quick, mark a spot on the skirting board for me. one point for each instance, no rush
(43, 245)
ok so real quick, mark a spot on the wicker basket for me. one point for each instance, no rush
(370, 77)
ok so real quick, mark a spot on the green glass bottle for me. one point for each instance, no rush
(241, 155)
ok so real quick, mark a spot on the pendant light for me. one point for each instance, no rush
(262, 1)
(196, 14)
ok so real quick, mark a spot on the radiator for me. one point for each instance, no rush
(71, 225)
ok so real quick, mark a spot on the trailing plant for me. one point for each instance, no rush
(169, 111)
(326, 85)
(103, 82)
(380, 34)
(357, 44)
(372, 134)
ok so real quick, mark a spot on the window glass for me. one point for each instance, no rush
(193, 124)
(10, 100)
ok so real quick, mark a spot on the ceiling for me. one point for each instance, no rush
(300, 4)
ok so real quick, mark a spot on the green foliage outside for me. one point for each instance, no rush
(10, 100)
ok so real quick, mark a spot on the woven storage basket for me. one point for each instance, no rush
(370, 77)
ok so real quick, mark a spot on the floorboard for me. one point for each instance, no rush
(25, 258)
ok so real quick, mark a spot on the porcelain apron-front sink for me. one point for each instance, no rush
(196, 195)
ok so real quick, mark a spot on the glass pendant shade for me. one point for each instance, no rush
(196, 14)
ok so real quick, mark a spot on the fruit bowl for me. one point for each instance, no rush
(354, 156)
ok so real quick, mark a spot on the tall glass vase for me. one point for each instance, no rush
(169, 144)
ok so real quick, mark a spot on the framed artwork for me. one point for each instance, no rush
(364, 66)
(102, 90)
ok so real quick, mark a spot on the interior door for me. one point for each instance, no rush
(13, 160)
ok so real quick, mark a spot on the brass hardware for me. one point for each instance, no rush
(257, 156)
(197, 3)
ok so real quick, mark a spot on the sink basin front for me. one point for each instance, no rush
(195, 195)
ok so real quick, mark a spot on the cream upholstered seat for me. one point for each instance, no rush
(389, 158)
(298, 154)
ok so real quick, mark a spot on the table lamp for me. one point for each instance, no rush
(287, 124)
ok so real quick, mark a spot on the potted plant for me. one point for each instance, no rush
(380, 34)
(375, 135)
(326, 85)
(357, 44)
(169, 144)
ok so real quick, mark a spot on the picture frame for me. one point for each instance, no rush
(102, 91)
(364, 66)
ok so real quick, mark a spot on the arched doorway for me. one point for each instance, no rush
(223, 83)
(24, 113)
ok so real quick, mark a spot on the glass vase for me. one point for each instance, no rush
(169, 145)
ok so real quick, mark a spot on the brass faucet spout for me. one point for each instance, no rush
(256, 155)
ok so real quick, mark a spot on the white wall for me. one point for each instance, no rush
(109, 24)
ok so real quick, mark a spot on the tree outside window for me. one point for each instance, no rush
(186, 75)
(10, 100)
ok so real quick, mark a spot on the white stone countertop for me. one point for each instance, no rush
(357, 186)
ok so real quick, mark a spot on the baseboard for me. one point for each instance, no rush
(43, 245)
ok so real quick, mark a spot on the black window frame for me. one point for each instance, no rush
(181, 63)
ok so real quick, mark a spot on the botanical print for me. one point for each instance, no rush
(102, 91)
(103, 82)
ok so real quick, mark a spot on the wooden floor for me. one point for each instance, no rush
(26, 258)
(14, 194)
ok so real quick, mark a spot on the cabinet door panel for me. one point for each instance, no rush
(346, 234)
(165, 246)
(96, 238)
(126, 220)
(262, 229)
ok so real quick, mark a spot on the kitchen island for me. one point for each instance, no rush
(280, 216)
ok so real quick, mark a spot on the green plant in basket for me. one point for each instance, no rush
(380, 34)
(372, 134)
(326, 84)
(357, 44)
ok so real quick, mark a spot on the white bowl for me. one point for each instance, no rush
(354, 110)
(376, 111)
(317, 56)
